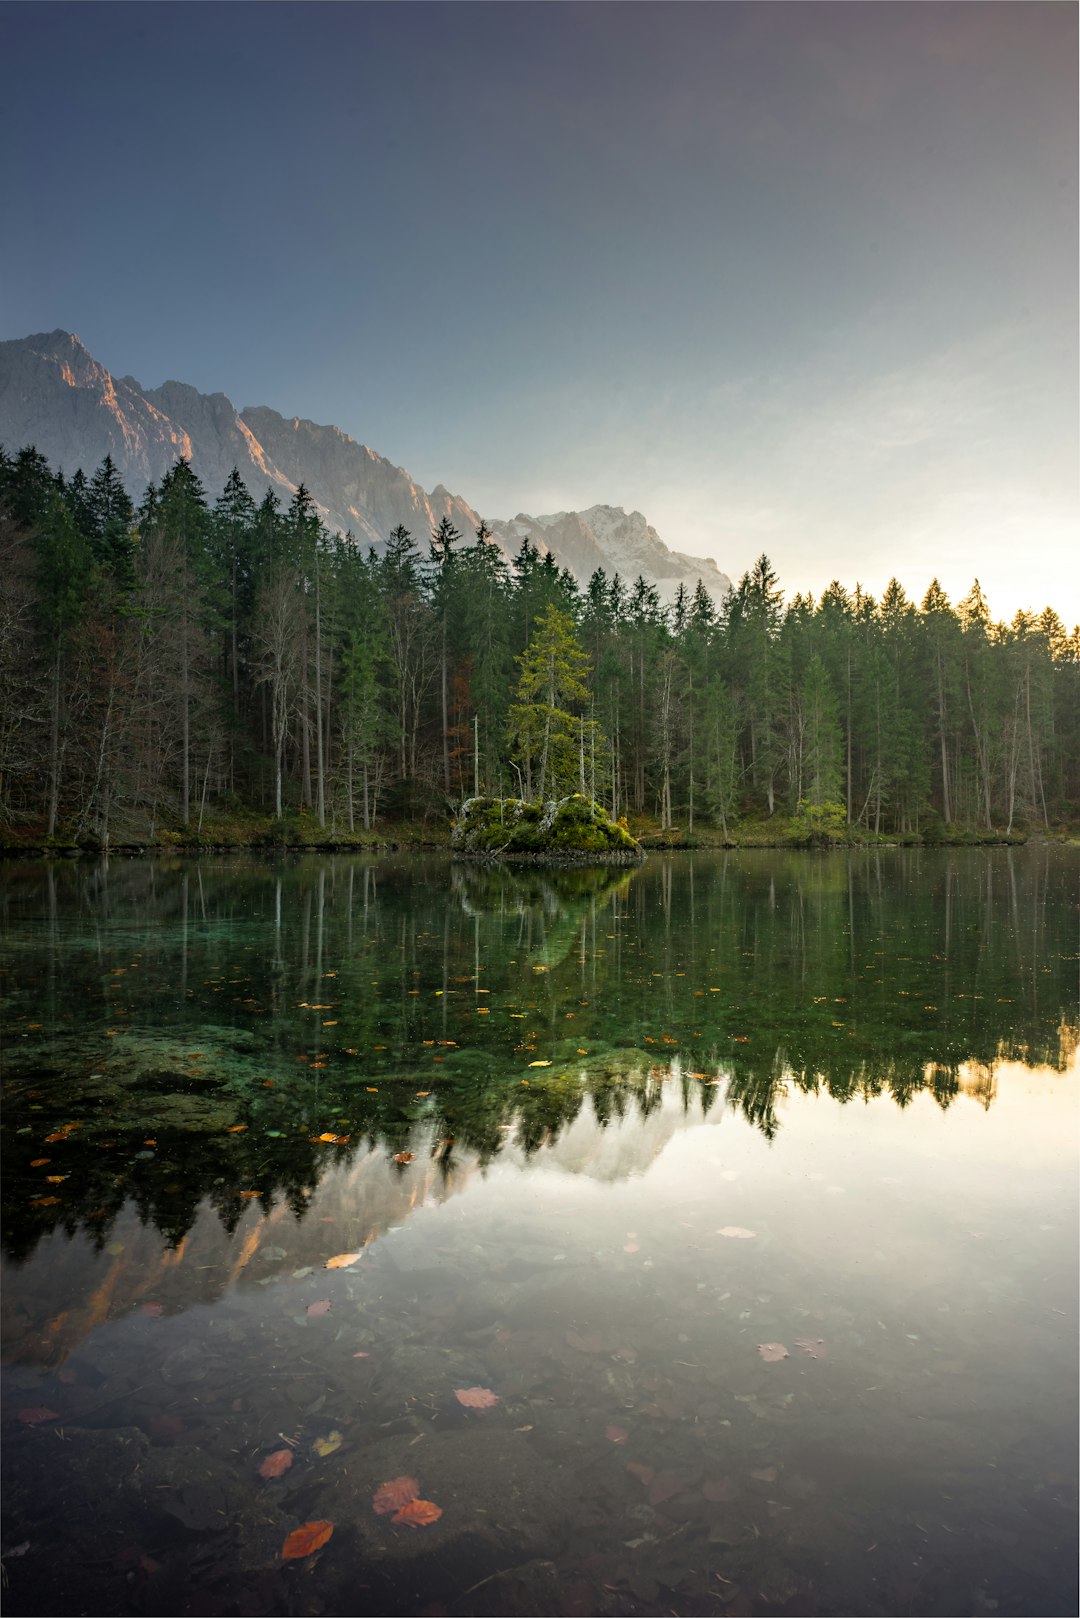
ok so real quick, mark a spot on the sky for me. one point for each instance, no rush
(788, 278)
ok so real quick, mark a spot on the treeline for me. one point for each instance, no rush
(164, 664)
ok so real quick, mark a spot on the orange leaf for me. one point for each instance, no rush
(403, 1157)
(277, 1463)
(418, 1513)
(43, 1202)
(341, 1261)
(302, 1541)
(39, 1162)
(476, 1398)
(394, 1495)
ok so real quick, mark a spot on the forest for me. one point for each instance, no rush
(191, 663)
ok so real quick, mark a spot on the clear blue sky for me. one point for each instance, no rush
(794, 278)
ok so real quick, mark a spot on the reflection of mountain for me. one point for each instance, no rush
(192, 1036)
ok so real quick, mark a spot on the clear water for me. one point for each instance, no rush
(823, 1106)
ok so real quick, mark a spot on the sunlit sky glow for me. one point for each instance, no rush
(792, 278)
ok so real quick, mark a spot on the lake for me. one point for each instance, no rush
(695, 1239)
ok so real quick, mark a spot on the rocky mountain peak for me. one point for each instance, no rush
(54, 394)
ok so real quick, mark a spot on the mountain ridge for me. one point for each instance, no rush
(56, 395)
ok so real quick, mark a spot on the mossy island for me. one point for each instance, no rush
(564, 831)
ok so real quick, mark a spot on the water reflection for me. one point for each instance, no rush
(587, 1142)
(216, 1033)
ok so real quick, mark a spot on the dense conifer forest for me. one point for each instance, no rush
(192, 662)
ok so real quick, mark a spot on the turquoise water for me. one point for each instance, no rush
(743, 1185)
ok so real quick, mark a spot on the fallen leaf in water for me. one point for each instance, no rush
(418, 1513)
(277, 1463)
(321, 1307)
(403, 1157)
(327, 1446)
(766, 1474)
(393, 1495)
(476, 1398)
(719, 1490)
(617, 1435)
(39, 1162)
(35, 1413)
(154, 1309)
(663, 1485)
(772, 1351)
(302, 1541)
(341, 1261)
(639, 1470)
(631, 1247)
(814, 1346)
(43, 1202)
(735, 1230)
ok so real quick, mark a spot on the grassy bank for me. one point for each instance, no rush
(263, 833)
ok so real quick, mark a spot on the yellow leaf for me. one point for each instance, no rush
(341, 1261)
(327, 1446)
(539, 1064)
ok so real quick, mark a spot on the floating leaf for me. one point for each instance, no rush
(735, 1230)
(302, 1541)
(321, 1307)
(341, 1261)
(277, 1463)
(327, 1446)
(393, 1495)
(772, 1351)
(418, 1513)
(476, 1398)
(814, 1346)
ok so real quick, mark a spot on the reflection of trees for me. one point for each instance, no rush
(867, 975)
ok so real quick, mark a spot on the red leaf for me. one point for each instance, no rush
(476, 1398)
(418, 1513)
(302, 1541)
(37, 1413)
(321, 1307)
(277, 1463)
(394, 1495)
(617, 1435)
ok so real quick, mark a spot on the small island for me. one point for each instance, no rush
(565, 831)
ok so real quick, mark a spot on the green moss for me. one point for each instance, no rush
(575, 827)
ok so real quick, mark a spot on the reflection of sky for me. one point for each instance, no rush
(795, 279)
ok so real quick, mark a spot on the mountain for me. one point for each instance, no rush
(55, 395)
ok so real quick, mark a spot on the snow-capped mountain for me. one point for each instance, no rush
(55, 395)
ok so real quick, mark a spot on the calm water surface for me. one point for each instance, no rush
(744, 1188)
